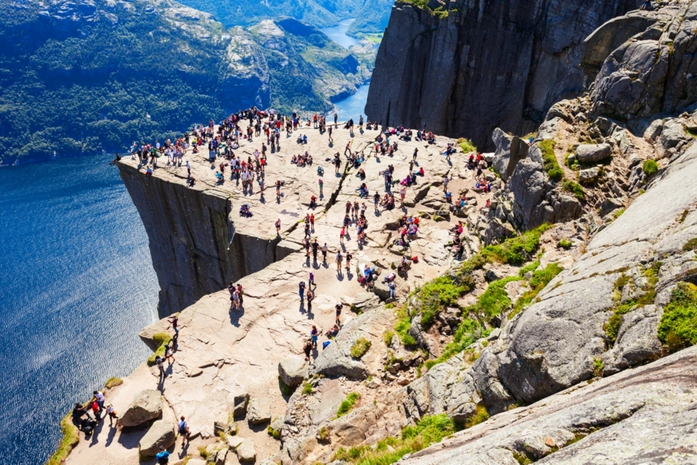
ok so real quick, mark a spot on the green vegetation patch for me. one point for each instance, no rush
(516, 250)
(650, 167)
(480, 415)
(678, 327)
(538, 281)
(466, 145)
(468, 332)
(549, 158)
(307, 389)
(438, 294)
(347, 404)
(68, 443)
(565, 244)
(112, 383)
(690, 245)
(360, 347)
(430, 430)
(403, 325)
(494, 301)
(387, 337)
(574, 188)
(161, 340)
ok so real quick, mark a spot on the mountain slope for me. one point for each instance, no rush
(90, 75)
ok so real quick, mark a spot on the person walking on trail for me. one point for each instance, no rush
(402, 195)
(183, 430)
(336, 119)
(311, 281)
(324, 253)
(278, 226)
(348, 261)
(315, 248)
(339, 260)
(240, 294)
(162, 457)
(321, 187)
(342, 234)
(99, 397)
(310, 297)
(169, 353)
(393, 290)
(301, 290)
(416, 152)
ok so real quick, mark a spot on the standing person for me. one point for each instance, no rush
(402, 195)
(376, 200)
(315, 247)
(160, 362)
(392, 287)
(232, 290)
(339, 260)
(183, 430)
(321, 187)
(278, 226)
(342, 234)
(336, 118)
(96, 410)
(240, 294)
(113, 416)
(310, 297)
(174, 321)
(312, 221)
(311, 280)
(348, 261)
(324, 253)
(314, 334)
(416, 152)
(307, 348)
(301, 290)
(99, 397)
(337, 312)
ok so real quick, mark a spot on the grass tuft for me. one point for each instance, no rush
(466, 145)
(307, 389)
(360, 347)
(347, 404)
(480, 415)
(678, 326)
(161, 340)
(112, 383)
(650, 167)
(549, 158)
(565, 244)
(574, 188)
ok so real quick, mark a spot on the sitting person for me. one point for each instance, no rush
(421, 171)
(313, 202)
(333, 331)
(361, 174)
(148, 172)
(190, 181)
(389, 278)
(220, 176)
(320, 171)
(245, 211)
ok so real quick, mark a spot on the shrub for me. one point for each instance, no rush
(68, 443)
(274, 433)
(360, 347)
(347, 404)
(549, 158)
(494, 300)
(565, 244)
(307, 389)
(161, 340)
(203, 452)
(480, 415)
(387, 337)
(650, 167)
(678, 327)
(323, 434)
(466, 145)
(613, 324)
(574, 188)
(436, 295)
(112, 383)
(403, 325)
(598, 367)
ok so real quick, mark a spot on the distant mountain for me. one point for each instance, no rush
(371, 16)
(79, 76)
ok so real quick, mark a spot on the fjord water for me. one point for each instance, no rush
(77, 284)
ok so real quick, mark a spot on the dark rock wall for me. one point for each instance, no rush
(484, 65)
(194, 249)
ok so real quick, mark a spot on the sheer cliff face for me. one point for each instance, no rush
(194, 249)
(483, 65)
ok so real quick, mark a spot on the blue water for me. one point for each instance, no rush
(76, 286)
(338, 34)
(353, 106)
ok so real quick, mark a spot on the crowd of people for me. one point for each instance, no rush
(222, 142)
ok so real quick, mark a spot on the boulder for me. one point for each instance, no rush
(240, 402)
(258, 411)
(221, 422)
(160, 434)
(592, 153)
(219, 457)
(293, 370)
(246, 451)
(509, 151)
(610, 205)
(589, 176)
(365, 301)
(381, 290)
(234, 442)
(146, 406)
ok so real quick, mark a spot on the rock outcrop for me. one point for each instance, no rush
(471, 66)
(160, 434)
(146, 406)
(649, 411)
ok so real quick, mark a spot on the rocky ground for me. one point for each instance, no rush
(224, 353)
(574, 338)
